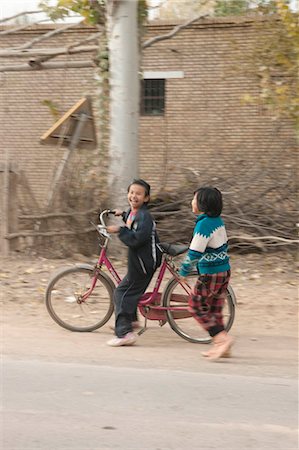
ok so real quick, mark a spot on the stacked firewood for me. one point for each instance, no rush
(256, 220)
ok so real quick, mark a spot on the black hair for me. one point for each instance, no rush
(209, 201)
(142, 183)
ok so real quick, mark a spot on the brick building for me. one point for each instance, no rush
(197, 119)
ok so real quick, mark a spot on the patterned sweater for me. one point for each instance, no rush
(208, 249)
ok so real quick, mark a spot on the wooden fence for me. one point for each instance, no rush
(24, 227)
(8, 205)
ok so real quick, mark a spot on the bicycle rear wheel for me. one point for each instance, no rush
(62, 296)
(182, 322)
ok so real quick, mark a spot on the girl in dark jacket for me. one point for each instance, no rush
(140, 236)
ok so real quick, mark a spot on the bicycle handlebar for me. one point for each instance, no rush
(105, 213)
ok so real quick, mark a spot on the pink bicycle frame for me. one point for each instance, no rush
(150, 302)
(103, 260)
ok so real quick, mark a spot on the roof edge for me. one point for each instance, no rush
(227, 20)
(248, 18)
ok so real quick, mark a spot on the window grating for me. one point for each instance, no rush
(153, 97)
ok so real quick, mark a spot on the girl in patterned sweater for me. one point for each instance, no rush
(208, 256)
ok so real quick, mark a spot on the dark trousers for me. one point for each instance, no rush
(126, 297)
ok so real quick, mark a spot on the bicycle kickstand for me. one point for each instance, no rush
(144, 327)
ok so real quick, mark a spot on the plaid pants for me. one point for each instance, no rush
(207, 301)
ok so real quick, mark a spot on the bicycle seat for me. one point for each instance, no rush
(173, 249)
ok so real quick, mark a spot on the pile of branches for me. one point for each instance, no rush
(259, 215)
(257, 218)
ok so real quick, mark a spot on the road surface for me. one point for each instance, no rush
(77, 406)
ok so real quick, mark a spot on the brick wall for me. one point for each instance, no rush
(24, 118)
(206, 125)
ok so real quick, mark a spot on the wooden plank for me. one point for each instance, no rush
(60, 121)
(62, 130)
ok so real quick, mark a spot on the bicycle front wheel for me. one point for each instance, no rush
(182, 322)
(63, 293)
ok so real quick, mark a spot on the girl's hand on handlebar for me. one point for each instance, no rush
(117, 212)
(113, 228)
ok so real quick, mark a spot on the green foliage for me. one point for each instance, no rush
(94, 11)
(275, 58)
(242, 7)
(275, 61)
(53, 108)
(231, 7)
(142, 12)
(185, 9)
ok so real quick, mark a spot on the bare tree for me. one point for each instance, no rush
(122, 33)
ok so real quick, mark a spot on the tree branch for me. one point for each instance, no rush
(46, 54)
(173, 32)
(48, 233)
(6, 19)
(58, 214)
(47, 36)
(51, 52)
(48, 66)
(91, 38)
(43, 59)
(11, 53)
(21, 27)
(265, 238)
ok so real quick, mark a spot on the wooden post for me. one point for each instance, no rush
(9, 209)
(5, 203)
(13, 211)
(73, 144)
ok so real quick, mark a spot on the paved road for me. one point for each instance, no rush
(64, 406)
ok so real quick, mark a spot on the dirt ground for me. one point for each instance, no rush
(265, 324)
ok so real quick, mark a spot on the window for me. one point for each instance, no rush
(153, 97)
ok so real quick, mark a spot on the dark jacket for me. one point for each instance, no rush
(143, 256)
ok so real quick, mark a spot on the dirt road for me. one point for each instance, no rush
(67, 390)
(265, 327)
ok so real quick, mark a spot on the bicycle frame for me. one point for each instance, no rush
(103, 260)
(150, 302)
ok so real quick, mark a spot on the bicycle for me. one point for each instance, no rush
(80, 298)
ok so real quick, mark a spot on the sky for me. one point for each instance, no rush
(11, 7)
